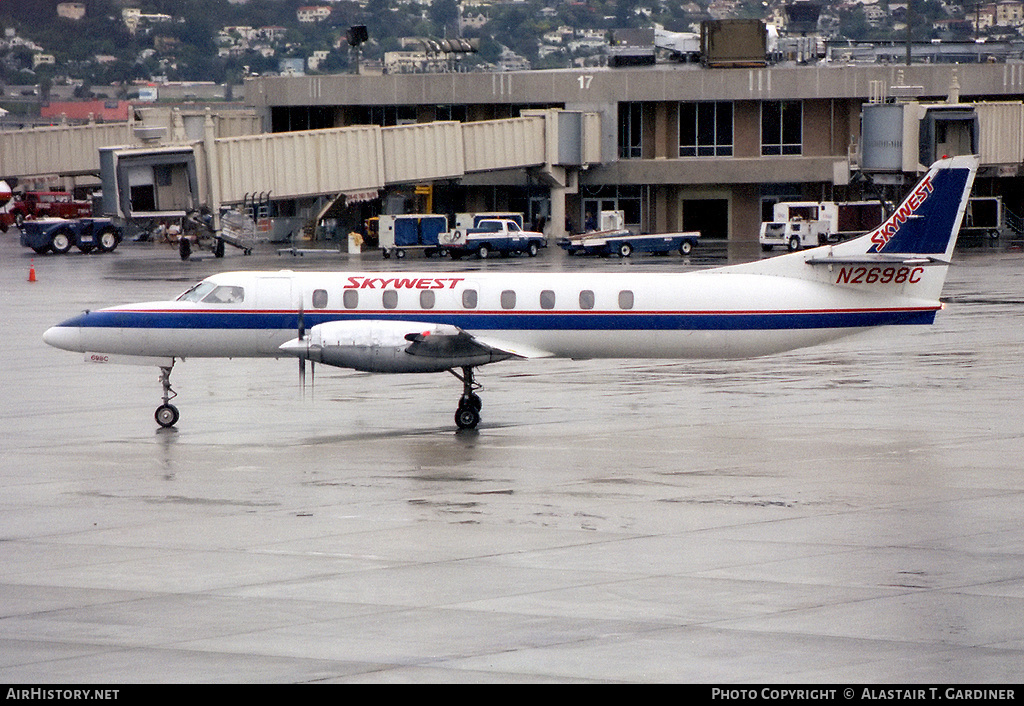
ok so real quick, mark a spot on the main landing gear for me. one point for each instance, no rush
(467, 415)
(167, 414)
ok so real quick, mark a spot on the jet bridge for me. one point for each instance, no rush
(167, 180)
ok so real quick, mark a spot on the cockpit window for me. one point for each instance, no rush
(225, 294)
(211, 293)
(197, 292)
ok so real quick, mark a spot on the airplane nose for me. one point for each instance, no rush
(68, 338)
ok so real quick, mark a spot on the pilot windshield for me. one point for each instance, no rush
(210, 293)
(225, 295)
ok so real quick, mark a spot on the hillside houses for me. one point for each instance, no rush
(561, 35)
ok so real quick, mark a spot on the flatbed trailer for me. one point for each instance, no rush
(624, 243)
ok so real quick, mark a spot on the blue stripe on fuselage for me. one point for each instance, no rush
(532, 321)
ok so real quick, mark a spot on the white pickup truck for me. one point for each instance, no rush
(494, 235)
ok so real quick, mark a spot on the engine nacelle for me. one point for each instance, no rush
(389, 346)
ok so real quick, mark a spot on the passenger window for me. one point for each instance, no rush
(547, 299)
(225, 295)
(426, 299)
(390, 298)
(469, 299)
(625, 299)
(508, 299)
(586, 299)
(319, 298)
(350, 299)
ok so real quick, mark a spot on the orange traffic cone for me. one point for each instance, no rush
(32, 271)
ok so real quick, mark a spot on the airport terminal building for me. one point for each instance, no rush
(685, 147)
(676, 146)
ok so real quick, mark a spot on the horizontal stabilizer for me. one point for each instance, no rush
(880, 259)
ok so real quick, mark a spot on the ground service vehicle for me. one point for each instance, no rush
(626, 244)
(462, 222)
(43, 204)
(495, 235)
(615, 239)
(400, 234)
(808, 224)
(59, 235)
(5, 198)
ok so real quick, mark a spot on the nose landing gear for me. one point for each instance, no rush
(467, 415)
(167, 414)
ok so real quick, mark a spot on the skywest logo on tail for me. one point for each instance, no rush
(891, 227)
(419, 322)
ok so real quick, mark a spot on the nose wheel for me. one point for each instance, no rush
(167, 414)
(467, 415)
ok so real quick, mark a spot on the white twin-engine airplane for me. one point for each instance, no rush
(434, 322)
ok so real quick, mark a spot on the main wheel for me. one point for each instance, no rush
(625, 250)
(62, 241)
(467, 417)
(794, 244)
(482, 252)
(107, 240)
(532, 250)
(685, 248)
(166, 415)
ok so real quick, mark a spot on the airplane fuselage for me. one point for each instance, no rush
(712, 314)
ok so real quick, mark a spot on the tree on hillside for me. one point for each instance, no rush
(445, 14)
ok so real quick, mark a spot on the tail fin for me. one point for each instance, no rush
(911, 249)
(928, 220)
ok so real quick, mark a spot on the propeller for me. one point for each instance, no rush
(302, 359)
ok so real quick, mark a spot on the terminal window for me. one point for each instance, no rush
(705, 129)
(781, 127)
(631, 125)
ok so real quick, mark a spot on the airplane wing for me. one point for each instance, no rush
(460, 343)
(517, 350)
(399, 346)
